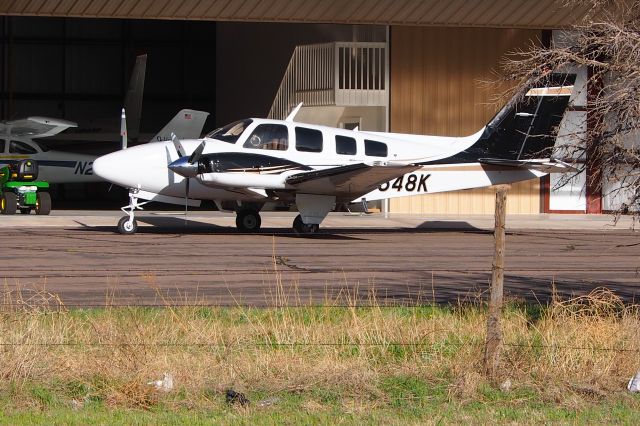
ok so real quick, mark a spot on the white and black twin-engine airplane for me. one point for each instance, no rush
(254, 161)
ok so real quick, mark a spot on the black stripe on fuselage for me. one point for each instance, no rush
(57, 163)
(52, 163)
(246, 162)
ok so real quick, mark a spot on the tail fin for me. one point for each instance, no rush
(524, 128)
(133, 99)
(187, 124)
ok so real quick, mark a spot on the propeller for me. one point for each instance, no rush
(178, 145)
(196, 154)
(186, 167)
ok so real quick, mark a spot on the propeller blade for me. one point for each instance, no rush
(176, 143)
(186, 200)
(195, 156)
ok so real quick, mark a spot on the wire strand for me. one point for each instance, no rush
(303, 344)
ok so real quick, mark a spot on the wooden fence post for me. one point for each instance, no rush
(493, 343)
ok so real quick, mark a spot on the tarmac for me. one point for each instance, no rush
(201, 220)
(77, 257)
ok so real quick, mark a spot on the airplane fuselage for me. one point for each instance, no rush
(54, 166)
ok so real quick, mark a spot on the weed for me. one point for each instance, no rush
(574, 354)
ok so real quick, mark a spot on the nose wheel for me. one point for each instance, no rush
(302, 228)
(127, 226)
(248, 221)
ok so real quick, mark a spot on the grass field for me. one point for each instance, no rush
(568, 362)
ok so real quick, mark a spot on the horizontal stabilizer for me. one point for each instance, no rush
(547, 165)
(35, 127)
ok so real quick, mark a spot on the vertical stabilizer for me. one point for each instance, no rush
(187, 124)
(133, 99)
(525, 128)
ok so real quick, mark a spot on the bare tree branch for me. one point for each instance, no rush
(607, 43)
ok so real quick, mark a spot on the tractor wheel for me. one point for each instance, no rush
(25, 210)
(8, 203)
(43, 203)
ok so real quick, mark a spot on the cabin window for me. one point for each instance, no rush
(17, 147)
(375, 148)
(2, 145)
(231, 132)
(308, 140)
(269, 136)
(345, 145)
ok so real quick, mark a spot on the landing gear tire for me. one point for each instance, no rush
(127, 227)
(43, 203)
(302, 228)
(9, 203)
(248, 221)
(25, 210)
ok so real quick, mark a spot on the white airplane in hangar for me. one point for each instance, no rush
(245, 164)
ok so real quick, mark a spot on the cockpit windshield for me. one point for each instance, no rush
(231, 132)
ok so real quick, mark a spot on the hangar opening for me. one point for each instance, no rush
(229, 62)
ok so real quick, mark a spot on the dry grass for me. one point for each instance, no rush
(575, 350)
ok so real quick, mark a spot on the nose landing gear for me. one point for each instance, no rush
(127, 225)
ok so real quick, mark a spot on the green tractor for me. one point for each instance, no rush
(21, 191)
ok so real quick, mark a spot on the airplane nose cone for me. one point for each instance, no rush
(114, 168)
(102, 169)
(183, 168)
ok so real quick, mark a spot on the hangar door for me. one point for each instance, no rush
(436, 89)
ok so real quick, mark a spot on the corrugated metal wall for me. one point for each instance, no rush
(436, 89)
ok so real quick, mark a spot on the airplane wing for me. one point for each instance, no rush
(549, 165)
(35, 127)
(347, 182)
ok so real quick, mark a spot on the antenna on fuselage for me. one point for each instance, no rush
(123, 129)
(293, 113)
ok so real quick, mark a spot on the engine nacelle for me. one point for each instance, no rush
(243, 180)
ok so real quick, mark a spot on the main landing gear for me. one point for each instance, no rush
(248, 220)
(302, 228)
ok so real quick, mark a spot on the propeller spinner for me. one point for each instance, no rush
(187, 166)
